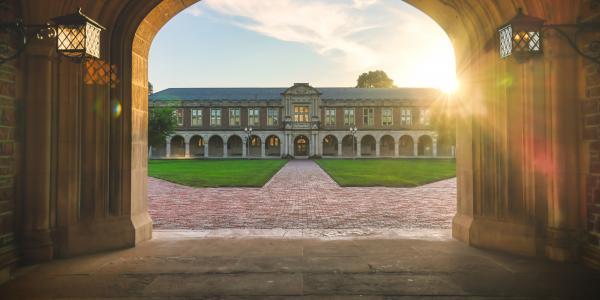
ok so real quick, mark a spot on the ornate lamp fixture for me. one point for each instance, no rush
(77, 36)
(522, 37)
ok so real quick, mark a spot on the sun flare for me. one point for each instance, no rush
(450, 86)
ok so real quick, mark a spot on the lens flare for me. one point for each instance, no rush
(117, 109)
(450, 86)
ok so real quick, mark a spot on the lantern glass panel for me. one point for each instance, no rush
(505, 41)
(71, 40)
(527, 41)
(92, 37)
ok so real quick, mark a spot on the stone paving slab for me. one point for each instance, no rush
(177, 266)
(301, 196)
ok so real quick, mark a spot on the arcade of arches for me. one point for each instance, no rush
(74, 161)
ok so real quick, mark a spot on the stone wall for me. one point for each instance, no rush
(8, 145)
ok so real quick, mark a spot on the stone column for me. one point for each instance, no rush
(187, 149)
(340, 149)
(37, 244)
(244, 148)
(434, 145)
(358, 148)
(377, 149)
(416, 148)
(168, 151)
(205, 141)
(224, 149)
(396, 148)
(150, 151)
(262, 149)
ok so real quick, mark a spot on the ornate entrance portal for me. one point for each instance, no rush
(301, 146)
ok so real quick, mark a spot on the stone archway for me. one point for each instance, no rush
(234, 146)
(406, 146)
(425, 146)
(500, 139)
(273, 146)
(177, 146)
(215, 146)
(301, 146)
(387, 146)
(367, 145)
(197, 144)
(330, 146)
(349, 146)
(254, 146)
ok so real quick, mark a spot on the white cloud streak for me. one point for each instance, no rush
(361, 34)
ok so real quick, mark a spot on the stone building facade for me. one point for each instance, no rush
(301, 121)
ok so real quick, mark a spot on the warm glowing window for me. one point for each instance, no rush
(387, 116)
(368, 116)
(301, 114)
(330, 116)
(405, 117)
(253, 117)
(215, 117)
(196, 117)
(349, 117)
(234, 117)
(425, 117)
(272, 116)
(179, 116)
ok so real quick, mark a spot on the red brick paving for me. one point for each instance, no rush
(302, 196)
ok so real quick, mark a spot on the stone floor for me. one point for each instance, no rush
(301, 195)
(179, 265)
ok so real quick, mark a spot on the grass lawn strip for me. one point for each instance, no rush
(388, 172)
(215, 173)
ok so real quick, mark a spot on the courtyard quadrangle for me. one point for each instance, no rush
(301, 196)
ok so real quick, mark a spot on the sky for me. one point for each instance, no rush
(274, 43)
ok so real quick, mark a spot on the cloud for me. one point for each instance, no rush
(363, 3)
(327, 27)
(360, 34)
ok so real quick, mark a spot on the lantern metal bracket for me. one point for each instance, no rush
(25, 33)
(594, 45)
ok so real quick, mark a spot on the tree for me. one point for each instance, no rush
(374, 79)
(150, 89)
(161, 123)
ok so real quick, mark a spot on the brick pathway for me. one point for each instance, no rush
(301, 196)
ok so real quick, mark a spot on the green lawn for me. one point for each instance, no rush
(215, 173)
(387, 172)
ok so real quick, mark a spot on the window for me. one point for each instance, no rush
(425, 117)
(349, 117)
(179, 116)
(387, 116)
(272, 116)
(253, 117)
(196, 117)
(405, 117)
(215, 117)
(368, 116)
(234, 117)
(330, 117)
(301, 114)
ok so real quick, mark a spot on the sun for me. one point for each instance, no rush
(450, 86)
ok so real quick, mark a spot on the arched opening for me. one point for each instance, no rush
(425, 147)
(387, 146)
(197, 145)
(234, 146)
(215, 146)
(368, 146)
(349, 146)
(406, 146)
(177, 146)
(255, 146)
(330, 146)
(445, 146)
(301, 146)
(273, 146)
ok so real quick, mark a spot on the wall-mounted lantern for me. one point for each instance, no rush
(78, 36)
(523, 36)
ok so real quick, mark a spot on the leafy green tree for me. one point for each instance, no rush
(150, 89)
(161, 123)
(374, 79)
